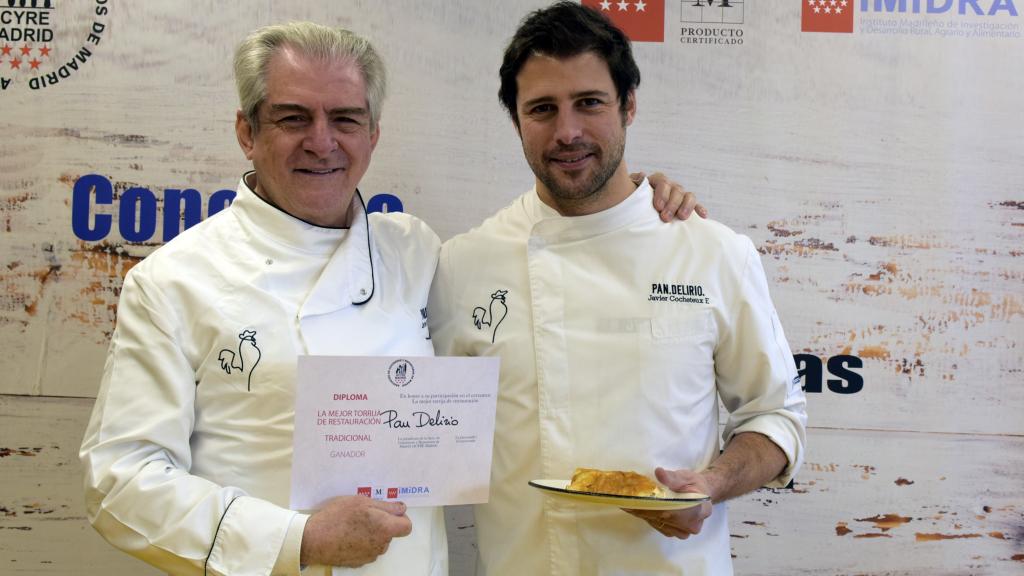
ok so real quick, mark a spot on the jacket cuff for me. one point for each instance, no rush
(251, 534)
(291, 549)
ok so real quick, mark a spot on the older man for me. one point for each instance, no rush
(620, 333)
(188, 453)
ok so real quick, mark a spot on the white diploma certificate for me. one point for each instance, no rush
(412, 429)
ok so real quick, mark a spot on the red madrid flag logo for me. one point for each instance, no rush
(827, 16)
(641, 20)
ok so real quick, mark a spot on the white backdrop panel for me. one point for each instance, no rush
(879, 174)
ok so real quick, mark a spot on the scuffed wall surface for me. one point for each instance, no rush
(879, 174)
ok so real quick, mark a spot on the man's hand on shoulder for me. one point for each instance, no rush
(352, 531)
(671, 200)
(679, 523)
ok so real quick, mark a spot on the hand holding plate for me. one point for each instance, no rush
(678, 523)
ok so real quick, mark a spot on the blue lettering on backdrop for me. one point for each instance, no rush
(87, 188)
(220, 200)
(137, 209)
(812, 370)
(137, 216)
(384, 203)
(963, 7)
(173, 215)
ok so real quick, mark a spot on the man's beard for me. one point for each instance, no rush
(577, 192)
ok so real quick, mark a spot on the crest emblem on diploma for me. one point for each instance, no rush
(401, 372)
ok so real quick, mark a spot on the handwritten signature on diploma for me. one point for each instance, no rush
(420, 419)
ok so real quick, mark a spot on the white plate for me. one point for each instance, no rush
(672, 501)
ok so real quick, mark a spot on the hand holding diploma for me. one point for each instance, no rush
(352, 531)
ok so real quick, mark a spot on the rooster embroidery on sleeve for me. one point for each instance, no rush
(493, 315)
(247, 358)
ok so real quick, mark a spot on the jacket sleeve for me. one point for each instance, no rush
(136, 455)
(440, 313)
(756, 375)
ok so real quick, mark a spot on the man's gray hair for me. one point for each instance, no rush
(313, 40)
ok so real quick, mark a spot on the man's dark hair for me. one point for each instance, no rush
(564, 30)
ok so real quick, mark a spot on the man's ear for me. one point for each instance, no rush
(630, 112)
(245, 133)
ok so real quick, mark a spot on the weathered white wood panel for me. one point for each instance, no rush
(878, 174)
(43, 528)
(879, 503)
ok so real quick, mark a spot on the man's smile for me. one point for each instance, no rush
(318, 171)
(571, 160)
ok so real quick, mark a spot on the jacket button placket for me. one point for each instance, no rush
(547, 288)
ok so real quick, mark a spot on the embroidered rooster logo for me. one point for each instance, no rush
(494, 314)
(247, 358)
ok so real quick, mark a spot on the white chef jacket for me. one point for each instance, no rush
(187, 456)
(617, 333)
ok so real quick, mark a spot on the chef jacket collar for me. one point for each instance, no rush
(553, 227)
(347, 279)
(348, 276)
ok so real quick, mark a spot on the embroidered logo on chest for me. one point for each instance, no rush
(245, 360)
(490, 318)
